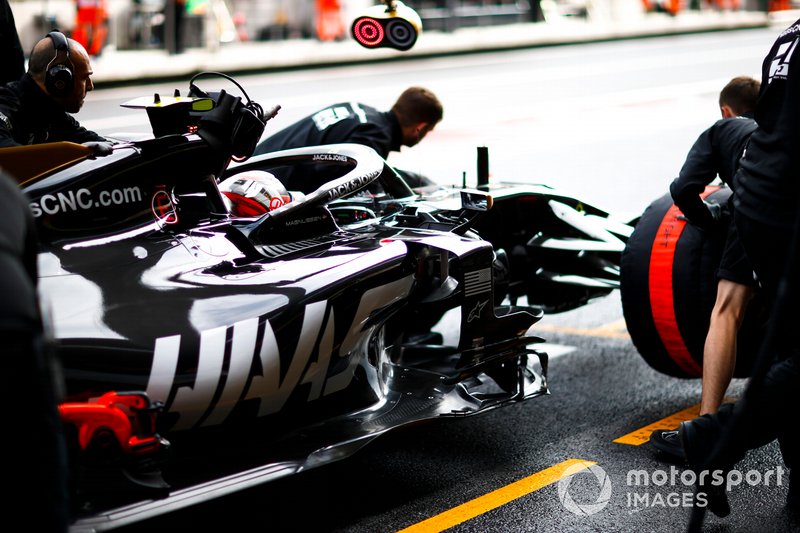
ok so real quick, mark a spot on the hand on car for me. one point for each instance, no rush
(99, 148)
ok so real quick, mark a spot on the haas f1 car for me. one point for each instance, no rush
(194, 304)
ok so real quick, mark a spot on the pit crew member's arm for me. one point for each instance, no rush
(66, 128)
(699, 169)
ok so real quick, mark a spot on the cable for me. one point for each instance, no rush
(193, 89)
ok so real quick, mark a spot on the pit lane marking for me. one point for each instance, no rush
(497, 498)
(642, 435)
(612, 330)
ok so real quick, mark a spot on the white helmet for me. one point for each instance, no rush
(253, 193)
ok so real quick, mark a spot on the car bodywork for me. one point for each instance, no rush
(297, 336)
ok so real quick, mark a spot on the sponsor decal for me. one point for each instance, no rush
(794, 28)
(306, 220)
(71, 201)
(352, 185)
(163, 208)
(229, 358)
(330, 116)
(330, 157)
(278, 201)
(475, 313)
(779, 68)
(477, 282)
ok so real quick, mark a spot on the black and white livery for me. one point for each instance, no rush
(312, 326)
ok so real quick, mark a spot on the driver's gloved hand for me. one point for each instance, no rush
(99, 148)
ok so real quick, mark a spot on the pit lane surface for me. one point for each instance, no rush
(612, 123)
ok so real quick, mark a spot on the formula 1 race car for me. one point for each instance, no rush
(196, 306)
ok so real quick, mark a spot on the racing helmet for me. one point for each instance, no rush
(253, 193)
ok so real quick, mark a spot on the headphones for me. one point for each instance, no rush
(58, 80)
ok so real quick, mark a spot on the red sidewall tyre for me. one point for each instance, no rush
(668, 287)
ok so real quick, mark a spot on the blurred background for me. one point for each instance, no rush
(176, 25)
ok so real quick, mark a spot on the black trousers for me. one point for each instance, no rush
(768, 409)
(767, 415)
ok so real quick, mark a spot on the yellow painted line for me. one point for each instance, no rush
(642, 435)
(614, 330)
(493, 500)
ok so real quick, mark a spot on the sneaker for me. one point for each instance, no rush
(668, 442)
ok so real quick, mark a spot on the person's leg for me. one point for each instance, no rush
(719, 352)
(766, 411)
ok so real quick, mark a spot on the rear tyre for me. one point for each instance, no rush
(668, 286)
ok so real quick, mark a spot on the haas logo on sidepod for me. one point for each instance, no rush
(196, 404)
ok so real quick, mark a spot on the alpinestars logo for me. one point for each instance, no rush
(779, 68)
(476, 311)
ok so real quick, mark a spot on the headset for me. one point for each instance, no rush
(58, 79)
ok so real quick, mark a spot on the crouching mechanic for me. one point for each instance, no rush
(717, 152)
(413, 115)
(38, 107)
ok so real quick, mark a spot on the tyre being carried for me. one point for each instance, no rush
(668, 286)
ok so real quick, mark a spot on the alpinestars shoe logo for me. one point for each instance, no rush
(779, 68)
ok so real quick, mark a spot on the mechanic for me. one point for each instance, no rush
(37, 108)
(716, 153)
(767, 217)
(36, 469)
(415, 113)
